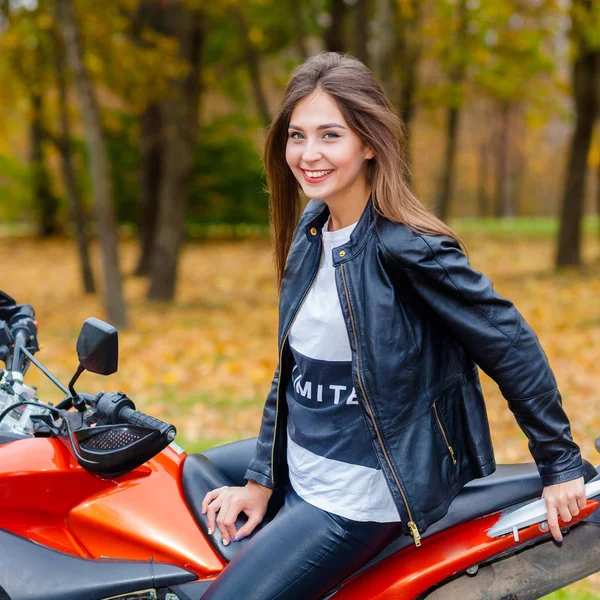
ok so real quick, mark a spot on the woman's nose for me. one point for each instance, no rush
(311, 152)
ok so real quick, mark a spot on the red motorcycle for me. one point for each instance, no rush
(97, 501)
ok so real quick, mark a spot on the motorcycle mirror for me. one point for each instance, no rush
(98, 347)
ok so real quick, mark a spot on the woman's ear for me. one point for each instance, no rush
(370, 154)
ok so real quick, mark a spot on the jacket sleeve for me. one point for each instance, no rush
(499, 340)
(259, 468)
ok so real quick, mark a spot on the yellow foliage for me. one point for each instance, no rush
(45, 21)
(94, 63)
(256, 36)
(594, 156)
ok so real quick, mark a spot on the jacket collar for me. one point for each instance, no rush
(358, 237)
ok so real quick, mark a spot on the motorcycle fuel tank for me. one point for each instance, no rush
(47, 497)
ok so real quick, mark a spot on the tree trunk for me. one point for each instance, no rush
(483, 175)
(383, 60)
(585, 86)
(299, 29)
(149, 14)
(180, 125)
(99, 166)
(456, 78)
(253, 61)
(407, 53)
(44, 198)
(63, 144)
(503, 207)
(519, 168)
(361, 36)
(598, 197)
(150, 178)
(443, 204)
(334, 35)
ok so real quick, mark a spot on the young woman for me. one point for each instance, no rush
(375, 419)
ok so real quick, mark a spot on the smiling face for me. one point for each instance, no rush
(325, 155)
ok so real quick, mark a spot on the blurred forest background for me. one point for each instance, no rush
(132, 187)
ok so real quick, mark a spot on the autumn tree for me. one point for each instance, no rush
(99, 166)
(147, 21)
(62, 141)
(253, 61)
(407, 50)
(334, 32)
(26, 51)
(180, 127)
(493, 50)
(454, 55)
(513, 74)
(585, 25)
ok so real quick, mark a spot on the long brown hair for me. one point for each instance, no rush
(374, 119)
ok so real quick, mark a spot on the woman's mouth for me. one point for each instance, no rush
(316, 176)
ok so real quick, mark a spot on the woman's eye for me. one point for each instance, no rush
(294, 133)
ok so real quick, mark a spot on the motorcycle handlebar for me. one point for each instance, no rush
(135, 417)
(23, 328)
(16, 363)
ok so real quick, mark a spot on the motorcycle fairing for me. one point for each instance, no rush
(47, 497)
(29, 571)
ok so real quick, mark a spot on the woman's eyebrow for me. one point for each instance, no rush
(326, 126)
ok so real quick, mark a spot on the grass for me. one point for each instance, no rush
(567, 594)
(538, 227)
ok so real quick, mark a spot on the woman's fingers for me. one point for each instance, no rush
(211, 511)
(563, 510)
(223, 506)
(553, 521)
(224, 520)
(254, 518)
(229, 519)
(573, 505)
(208, 498)
(567, 499)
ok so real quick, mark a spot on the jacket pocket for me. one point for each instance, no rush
(444, 434)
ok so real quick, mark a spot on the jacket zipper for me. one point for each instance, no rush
(280, 359)
(450, 449)
(412, 526)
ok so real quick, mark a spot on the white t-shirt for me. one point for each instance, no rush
(332, 463)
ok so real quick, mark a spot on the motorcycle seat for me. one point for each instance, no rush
(509, 485)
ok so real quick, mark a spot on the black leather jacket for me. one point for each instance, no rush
(420, 319)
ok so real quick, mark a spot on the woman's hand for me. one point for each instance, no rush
(565, 499)
(229, 502)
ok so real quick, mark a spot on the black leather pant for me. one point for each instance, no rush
(301, 554)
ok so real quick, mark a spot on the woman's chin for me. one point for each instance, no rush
(311, 193)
